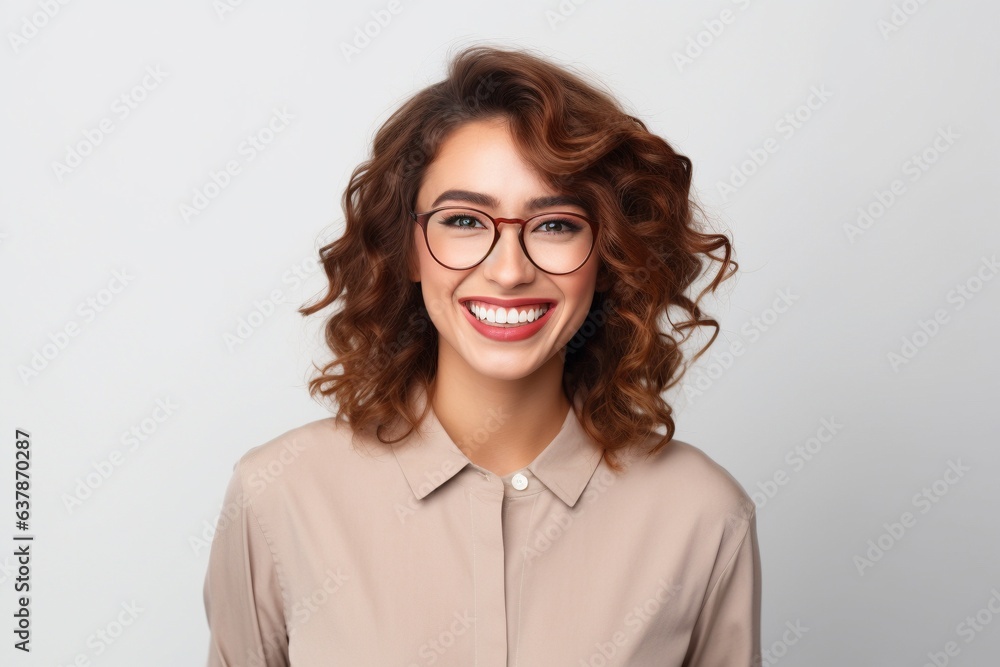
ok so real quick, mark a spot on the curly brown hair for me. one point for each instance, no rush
(633, 183)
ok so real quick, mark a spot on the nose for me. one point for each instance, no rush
(507, 264)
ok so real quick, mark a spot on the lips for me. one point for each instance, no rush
(508, 332)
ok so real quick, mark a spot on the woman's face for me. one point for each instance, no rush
(480, 157)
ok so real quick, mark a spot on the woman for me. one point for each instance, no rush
(492, 490)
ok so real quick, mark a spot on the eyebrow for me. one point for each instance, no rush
(480, 199)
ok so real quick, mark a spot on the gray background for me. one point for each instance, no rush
(890, 87)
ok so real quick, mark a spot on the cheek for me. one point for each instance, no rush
(579, 295)
(425, 269)
(580, 288)
(435, 301)
(438, 286)
(581, 311)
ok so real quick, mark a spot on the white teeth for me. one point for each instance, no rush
(499, 315)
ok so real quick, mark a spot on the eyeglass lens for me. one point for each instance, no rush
(557, 242)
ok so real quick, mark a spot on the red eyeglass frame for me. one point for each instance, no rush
(422, 218)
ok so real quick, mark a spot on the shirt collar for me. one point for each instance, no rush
(429, 457)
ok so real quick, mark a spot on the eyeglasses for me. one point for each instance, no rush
(460, 238)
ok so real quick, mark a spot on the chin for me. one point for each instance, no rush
(510, 371)
(506, 365)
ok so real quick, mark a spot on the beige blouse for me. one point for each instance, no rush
(327, 555)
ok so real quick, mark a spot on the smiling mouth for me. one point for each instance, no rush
(498, 316)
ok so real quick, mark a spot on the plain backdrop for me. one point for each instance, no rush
(150, 333)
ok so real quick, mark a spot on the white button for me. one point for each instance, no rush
(519, 481)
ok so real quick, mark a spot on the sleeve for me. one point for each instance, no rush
(243, 598)
(727, 632)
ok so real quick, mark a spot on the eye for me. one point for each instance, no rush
(559, 225)
(461, 221)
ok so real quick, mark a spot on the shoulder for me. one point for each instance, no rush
(312, 452)
(687, 480)
(294, 442)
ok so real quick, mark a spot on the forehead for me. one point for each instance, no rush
(474, 146)
(481, 156)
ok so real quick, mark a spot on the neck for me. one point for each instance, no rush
(500, 425)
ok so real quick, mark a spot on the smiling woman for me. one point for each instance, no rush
(493, 487)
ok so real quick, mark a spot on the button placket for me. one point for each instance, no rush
(489, 596)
